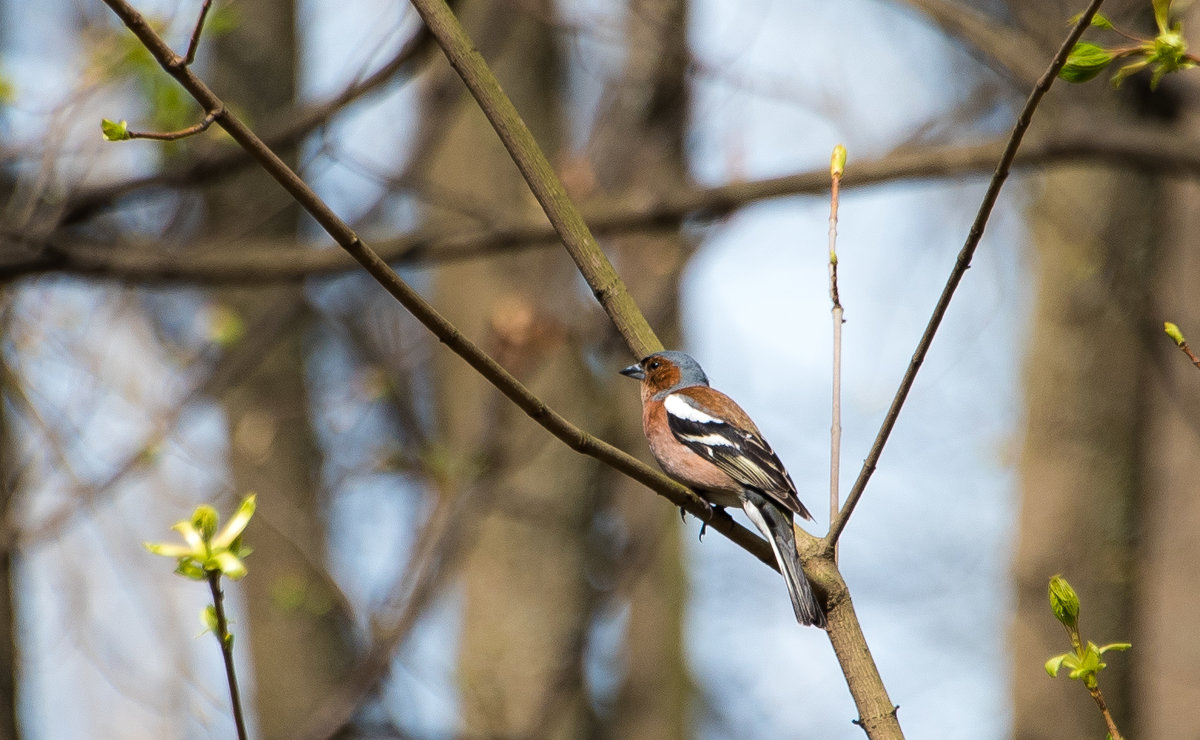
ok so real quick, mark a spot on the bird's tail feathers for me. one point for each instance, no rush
(776, 526)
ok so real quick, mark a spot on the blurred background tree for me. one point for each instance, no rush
(429, 563)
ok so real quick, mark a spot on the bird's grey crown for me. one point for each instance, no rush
(690, 372)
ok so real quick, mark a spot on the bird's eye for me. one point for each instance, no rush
(653, 365)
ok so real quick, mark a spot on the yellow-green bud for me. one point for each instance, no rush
(1174, 333)
(205, 519)
(837, 162)
(1064, 602)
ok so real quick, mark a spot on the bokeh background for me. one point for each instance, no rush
(431, 564)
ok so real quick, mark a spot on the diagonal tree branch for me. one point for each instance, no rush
(571, 435)
(568, 223)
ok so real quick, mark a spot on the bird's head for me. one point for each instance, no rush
(667, 371)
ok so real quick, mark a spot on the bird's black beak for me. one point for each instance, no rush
(635, 371)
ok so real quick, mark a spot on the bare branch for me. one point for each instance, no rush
(182, 133)
(226, 640)
(194, 43)
(1142, 150)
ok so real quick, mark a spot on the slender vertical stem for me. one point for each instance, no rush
(226, 640)
(837, 167)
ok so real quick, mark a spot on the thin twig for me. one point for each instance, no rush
(1098, 697)
(960, 268)
(194, 43)
(1191, 355)
(1177, 336)
(837, 167)
(226, 640)
(182, 133)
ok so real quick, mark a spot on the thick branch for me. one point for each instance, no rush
(568, 223)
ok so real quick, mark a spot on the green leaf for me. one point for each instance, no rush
(1085, 62)
(205, 520)
(192, 536)
(209, 618)
(189, 568)
(114, 130)
(1098, 20)
(1118, 646)
(237, 524)
(1127, 70)
(1162, 11)
(230, 565)
(1055, 663)
(168, 549)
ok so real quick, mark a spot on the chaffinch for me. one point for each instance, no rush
(704, 440)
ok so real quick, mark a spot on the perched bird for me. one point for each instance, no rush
(704, 440)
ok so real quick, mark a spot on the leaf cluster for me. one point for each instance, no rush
(205, 550)
(1165, 52)
(171, 107)
(1083, 660)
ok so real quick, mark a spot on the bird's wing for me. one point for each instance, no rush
(737, 450)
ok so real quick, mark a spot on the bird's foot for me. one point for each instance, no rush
(712, 510)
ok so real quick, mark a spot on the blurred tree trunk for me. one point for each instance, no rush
(638, 148)
(1107, 473)
(1079, 470)
(528, 601)
(1166, 649)
(298, 640)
